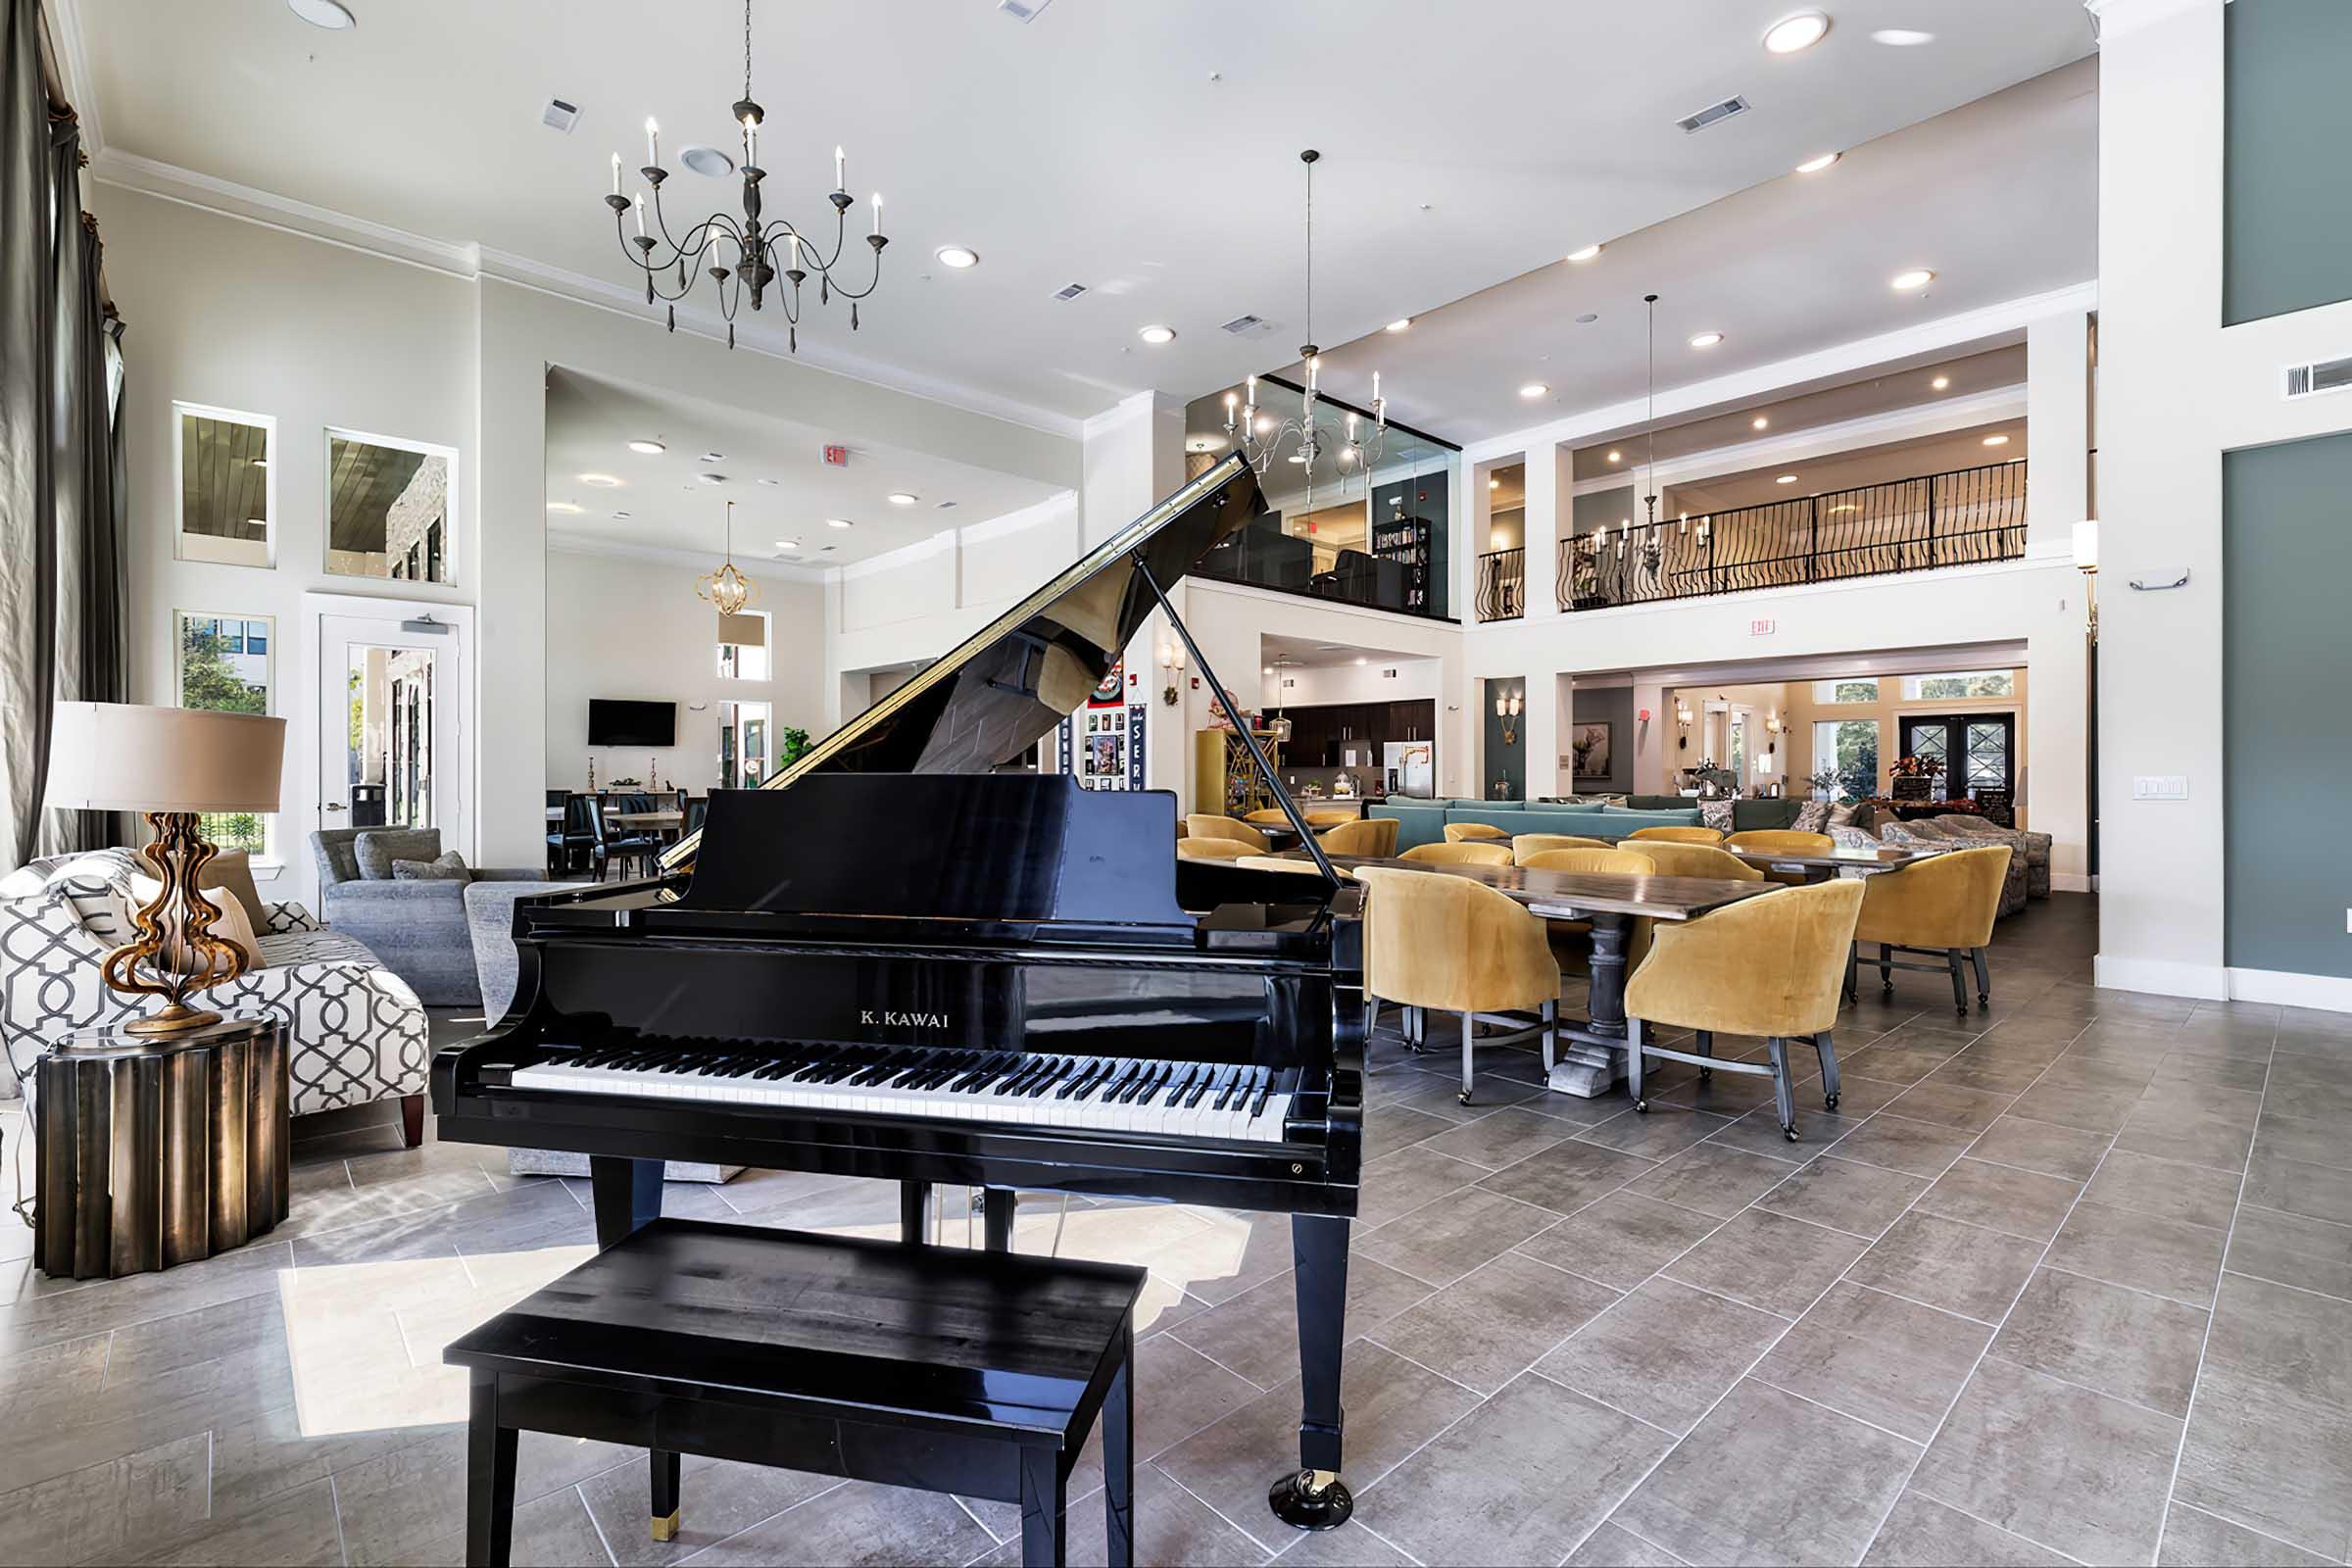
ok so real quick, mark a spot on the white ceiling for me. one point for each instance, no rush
(1947, 452)
(2000, 198)
(1308, 652)
(1148, 151)
(590, 423)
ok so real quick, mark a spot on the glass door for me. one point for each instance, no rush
(1977, 751)
(388, 701)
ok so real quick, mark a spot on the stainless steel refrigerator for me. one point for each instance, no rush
(1410, 767)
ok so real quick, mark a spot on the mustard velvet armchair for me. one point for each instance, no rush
(1778, 841)
(1524, 845)
(1208, 825)
(1944, 907)
(1454, 945)
(1675, 858)
(1767, 966)
(1678, 835)
(1571, 940)
(1269, 816)
(1373, 836)
(1328, 818)
(1469, 851)
(1193, 846)
(1457, 832)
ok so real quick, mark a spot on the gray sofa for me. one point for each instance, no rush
(418, 930)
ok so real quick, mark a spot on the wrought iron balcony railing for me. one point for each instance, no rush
(1937, 520)
(1501, 592)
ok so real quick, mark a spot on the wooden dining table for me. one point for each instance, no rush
(647, 821)
(1591, 1057)
(1821, 866)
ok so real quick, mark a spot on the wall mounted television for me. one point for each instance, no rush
(612, 722)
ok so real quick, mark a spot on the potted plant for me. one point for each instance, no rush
(1822, 781)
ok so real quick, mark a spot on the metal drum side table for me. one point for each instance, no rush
(158, 1149)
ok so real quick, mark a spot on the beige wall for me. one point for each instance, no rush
(1803, 711)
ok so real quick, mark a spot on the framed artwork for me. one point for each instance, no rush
(1589, 745)
(1112, 693)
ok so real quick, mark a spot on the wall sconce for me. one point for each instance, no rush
(2086, 561)
(1171, 659)
(1682, 719)
(1772, 723)
(1507, 706)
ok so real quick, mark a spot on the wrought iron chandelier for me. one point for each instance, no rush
(727, 587)
(747, 254)
(1359, 445)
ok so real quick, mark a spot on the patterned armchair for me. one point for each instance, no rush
(354, 1031)
(2013, 886)
(2032, 848)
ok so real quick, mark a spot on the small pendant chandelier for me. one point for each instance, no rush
(727, 587)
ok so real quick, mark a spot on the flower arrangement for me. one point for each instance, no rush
(1916, 766)
(1823, 779)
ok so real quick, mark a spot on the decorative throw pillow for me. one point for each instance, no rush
(232, 926)
(1842, 814)
(90, 882)
(1716, 815)
(1853, 838)
(377, 849)
(1812, 816)
(232, 873)
(450, 868)
(49, 981)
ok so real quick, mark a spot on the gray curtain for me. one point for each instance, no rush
(64, 518)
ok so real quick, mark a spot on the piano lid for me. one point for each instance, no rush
(988, 702)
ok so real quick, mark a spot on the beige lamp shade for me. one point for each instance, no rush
(116, 756)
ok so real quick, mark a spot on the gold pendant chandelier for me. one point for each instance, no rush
(727, 587)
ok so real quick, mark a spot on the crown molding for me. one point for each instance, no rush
(2114, 19)
(470, 261)
(570, 544)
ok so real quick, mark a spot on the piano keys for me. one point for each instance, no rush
(907, 957)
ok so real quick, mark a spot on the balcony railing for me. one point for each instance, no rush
(1501, 592)
(1937, 520)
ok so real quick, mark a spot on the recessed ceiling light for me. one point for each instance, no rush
(1266, 669)
(842, 522)
(1705, 340)
(1534, 389)
(771, 481)
(1996, 440)
(1941, 383)
(1796, 32)
(1902, 38)
(900, 498)
(1493, 484)
(1157, 336)
(259, 463)
(603, 481)
(648, 448)
(1760, 422)
(714, 457)
(1362, 660)
(1614, 454)
(323, 14)
(622, 516)
(708, 161)
(1586, 320)
(959, 257)
(565, 506)
(1785, 478)
(1847, 507)
(711, 478)
(1403, 323)
(1585, 255)
(787, 544)
(1915, 277)
(1814, 165)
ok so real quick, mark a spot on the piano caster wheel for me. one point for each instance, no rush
(1463, 1096)
(1297, 1500)
(1831, 1100)
(1641, 1108)
(1789, 1133)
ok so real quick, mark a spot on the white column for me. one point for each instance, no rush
(1653, 741)
(1548, 498)
(2057, 429)
(1131, 458)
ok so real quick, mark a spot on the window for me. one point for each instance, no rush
(1972, 751)
(1849, 748)
(389, 504)
(223, 667)
(1960, 684)
(227, 495)
(745, 657)
(1846, 691)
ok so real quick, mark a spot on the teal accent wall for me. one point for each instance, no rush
(1506, 762)
(2287, 188)
(2287, 551)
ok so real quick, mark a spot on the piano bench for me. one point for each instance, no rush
(978, 1373)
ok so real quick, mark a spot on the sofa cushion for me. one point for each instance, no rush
(1813, 816)
(377, 848)
(1764, 816)
(1659, 802)
(231, 927)
(314, 946)
(1717, 814)
(450, 868)
(93, 882)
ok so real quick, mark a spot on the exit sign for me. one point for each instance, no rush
(1764, 627)
(837, 457)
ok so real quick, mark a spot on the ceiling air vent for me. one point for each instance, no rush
(559, 115)
(1244, 323)
(1713, 112)
(1022, 10)
(1070, 291)
(2319, 375)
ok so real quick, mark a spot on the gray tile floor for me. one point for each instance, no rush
(2069, 1281)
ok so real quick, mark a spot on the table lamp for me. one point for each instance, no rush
(168, 764)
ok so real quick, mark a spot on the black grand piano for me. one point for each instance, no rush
(911, 958)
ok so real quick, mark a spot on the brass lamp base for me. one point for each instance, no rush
(174, 951)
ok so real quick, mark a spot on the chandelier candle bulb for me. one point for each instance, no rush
(652, 144)
(877, 213)
(616, 173)
(751, 142)
(640, 204)
(840, 167)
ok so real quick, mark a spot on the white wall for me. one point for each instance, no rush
(633, 628)
(1383, 680)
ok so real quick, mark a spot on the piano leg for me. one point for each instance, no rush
(626, 1196)
(915, 1212)
(1313, 1497)
(996, 1218)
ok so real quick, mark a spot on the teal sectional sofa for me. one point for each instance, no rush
(1424, 822)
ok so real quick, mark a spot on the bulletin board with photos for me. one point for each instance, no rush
(1102, 747)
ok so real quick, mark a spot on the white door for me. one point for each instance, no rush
(393, 684)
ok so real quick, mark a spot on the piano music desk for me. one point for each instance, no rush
(970, 1372)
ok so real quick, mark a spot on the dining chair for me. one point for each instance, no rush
(1372, 836)
(1945, 906)
(1209, 825)
(1524, 845)
(1330, 818)
(1269, 817)
(1782, 841)
(1199, 846)
(1769, 965)
(698, 811)
(1451, 945)
(1696, 860)
(1466, 853)
(1461, 832)
(1678, 835)
(1572, 939)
